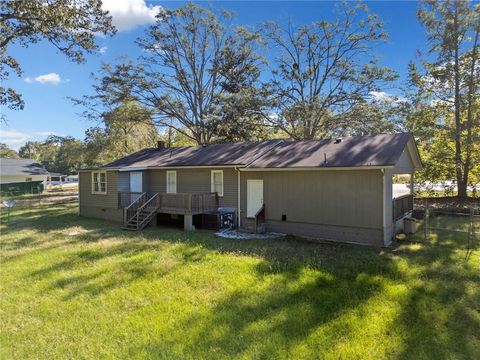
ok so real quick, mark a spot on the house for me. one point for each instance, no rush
(72, 178)
(21, 176)
(337, 189)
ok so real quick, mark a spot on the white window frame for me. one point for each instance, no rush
(212, 181)
(170, 191)
(99, 192)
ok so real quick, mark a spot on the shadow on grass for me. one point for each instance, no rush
(439, 316)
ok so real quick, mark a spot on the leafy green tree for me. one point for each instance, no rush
(447, 83)
(7, 153)
(69, 25)
(96, 142)
(196, 74)
(323, 70)
(127, 129)
(58, 154)
(40, 151)
(374, 116)
(70, 156)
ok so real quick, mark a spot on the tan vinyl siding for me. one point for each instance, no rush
(157, 181)
(404, 164)
(334, 199)
(123, 181)
(197, 181)
(99, 205)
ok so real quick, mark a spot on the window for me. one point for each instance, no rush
(217, 182)
(99, 182)
(171, 182)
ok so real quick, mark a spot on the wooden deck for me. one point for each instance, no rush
(402, 205)
(181, 203)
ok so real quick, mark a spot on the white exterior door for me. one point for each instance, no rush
(136, 185)
(254, 196)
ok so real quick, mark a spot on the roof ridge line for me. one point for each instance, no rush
(265, 152)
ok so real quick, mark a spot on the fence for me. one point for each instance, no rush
(463, 221)
(36, 198)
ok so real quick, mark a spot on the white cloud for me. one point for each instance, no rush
(15, 139)
(384, 97)
(51, 78)
(127, 14)
(103, 50)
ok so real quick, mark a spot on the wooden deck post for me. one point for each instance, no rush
(188, 222)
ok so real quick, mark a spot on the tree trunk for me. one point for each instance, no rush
(470, 100)
(462, 188)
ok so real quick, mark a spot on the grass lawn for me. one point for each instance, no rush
(82, 288)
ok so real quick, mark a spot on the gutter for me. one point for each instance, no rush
(239, 217)
(320, 168)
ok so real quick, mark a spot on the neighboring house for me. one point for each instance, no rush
(337, 189)
(21, 176)
(72, 178)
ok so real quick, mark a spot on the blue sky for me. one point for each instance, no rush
(50, 78)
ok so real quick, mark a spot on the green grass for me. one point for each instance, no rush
(81, 288)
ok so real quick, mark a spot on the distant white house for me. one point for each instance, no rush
(72, 178)
(19, 176)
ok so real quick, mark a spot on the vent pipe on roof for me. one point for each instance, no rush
(338, 140)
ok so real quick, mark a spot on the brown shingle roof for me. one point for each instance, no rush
(356, 151)
(228, 154)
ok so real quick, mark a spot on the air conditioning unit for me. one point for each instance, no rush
(409, 225)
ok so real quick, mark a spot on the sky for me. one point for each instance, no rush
(49, 79)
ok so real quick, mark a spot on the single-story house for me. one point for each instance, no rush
(336, 189)
(21, 176)
(72, 178)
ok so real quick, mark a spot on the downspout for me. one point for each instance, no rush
(238, 197)
(384, 215)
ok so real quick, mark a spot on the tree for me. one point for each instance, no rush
(7, 153)
(59, 154)
(129, 128)
(69, 25)
(126, 129)
(378, 115)
(323, 70)
(40, 151)
(449, 80)
(70, 156)
(96, 141)
(195, 75)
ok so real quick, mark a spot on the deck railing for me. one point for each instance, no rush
(180, 203)
(188, 203)
(127, 198)
(259, 217)
(402, 205)
(132, 209)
